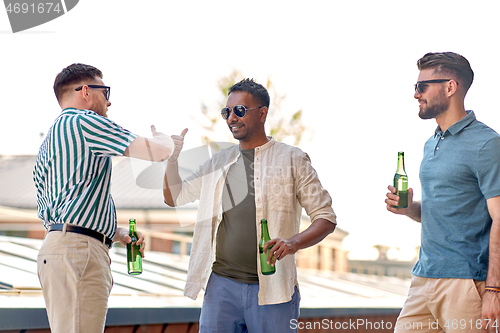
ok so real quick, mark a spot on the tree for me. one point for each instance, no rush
(283, 125)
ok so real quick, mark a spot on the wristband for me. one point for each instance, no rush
(492, 289)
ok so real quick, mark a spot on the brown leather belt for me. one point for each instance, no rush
(81, 230)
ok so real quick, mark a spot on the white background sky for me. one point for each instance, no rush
(350, 65)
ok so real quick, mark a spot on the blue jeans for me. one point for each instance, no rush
(233, 307)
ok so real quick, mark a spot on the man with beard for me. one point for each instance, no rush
(459, 210)
(72, 176)
(260, 178)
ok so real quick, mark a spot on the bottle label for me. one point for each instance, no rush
(400, 185)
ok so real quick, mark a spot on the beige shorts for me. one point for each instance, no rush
(75, 275)
(442, 305)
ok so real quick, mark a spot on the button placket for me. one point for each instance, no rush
(438, 142)
(257, 176)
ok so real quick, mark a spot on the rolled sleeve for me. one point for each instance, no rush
(311, 194)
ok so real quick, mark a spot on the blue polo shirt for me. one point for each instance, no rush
(460, 170)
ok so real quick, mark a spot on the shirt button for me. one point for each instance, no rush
(437, 148)
(442, 138)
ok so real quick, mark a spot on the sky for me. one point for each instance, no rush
(349, 65)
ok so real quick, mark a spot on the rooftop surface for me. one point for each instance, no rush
(158, 291)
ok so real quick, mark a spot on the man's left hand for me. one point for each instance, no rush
(123, 237)
(491, 312)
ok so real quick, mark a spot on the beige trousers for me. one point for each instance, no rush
(75, 275)
(442, 305)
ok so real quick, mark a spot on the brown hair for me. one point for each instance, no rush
(449, 63)
(72, 74)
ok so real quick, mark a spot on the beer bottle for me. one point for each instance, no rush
(134, 258)
(401, 182)
(266, 268)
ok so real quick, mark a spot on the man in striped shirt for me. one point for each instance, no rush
(72, 176)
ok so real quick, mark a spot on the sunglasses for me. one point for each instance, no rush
(421, 85)
(239, 111)
(106, 92)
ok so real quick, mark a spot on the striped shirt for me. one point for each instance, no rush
(72, 173)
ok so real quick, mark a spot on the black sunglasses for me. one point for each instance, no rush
(420, 85)
(239, 111)
(106, 92)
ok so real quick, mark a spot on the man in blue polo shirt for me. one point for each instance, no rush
(456, 281)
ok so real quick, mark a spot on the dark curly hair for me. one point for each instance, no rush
(72, 74)
(258, 92)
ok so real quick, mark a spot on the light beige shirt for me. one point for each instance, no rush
(284, 181)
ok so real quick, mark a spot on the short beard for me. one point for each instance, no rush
(433, 111)
(99, 110)
(438, 107)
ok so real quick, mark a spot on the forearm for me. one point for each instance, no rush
(172, 183)
(493, 278)
(119, 234)
(314, 234)
(414, 211)
(160, 150)
(491, 299)
(149, 149)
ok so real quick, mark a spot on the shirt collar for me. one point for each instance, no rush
(76, 110)
(458, 126)
(266, 145)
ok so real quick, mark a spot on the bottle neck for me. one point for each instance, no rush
(132, 227)
(401, 165)
(263, 230)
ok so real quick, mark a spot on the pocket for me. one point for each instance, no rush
(80, 255)
(477, 288)
(208, 283)
(281, 193)
(47, 263)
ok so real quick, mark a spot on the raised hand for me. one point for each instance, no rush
(178, 143)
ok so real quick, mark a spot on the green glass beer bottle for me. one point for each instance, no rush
(266, 268)
(134, 258)
(401, 182)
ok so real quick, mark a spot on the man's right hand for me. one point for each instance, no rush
(393, 200)
(178, 142)
(414, 210)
